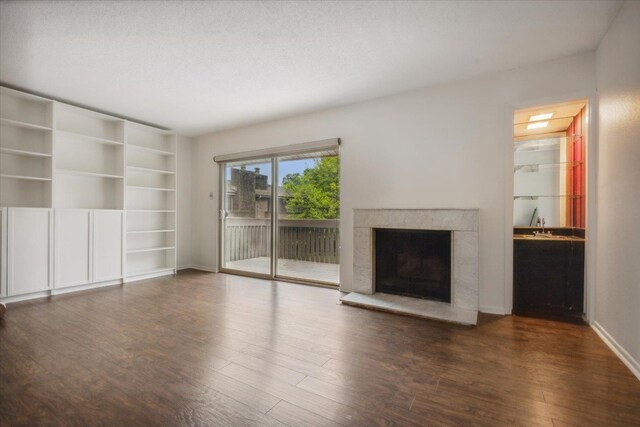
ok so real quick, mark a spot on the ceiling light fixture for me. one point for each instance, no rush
(537, 125)
(543, 116)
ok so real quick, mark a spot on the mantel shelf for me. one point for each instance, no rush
(23, 153)
(83, 173)
(148, 170)
(150, 150)
(29, 178)
(24, 125)
(90, 138)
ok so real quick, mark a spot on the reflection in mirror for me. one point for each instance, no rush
(549, 168)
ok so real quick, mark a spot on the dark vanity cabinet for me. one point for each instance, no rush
(548, 277)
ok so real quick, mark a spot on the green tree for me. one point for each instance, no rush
(314, 194)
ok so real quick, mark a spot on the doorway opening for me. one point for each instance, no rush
(549, 206)
(280, 217)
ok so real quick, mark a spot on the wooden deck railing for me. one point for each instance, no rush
(299, 239)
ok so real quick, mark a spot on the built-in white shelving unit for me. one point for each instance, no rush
(89, 159)
(151, 200)
(26, 136)
(104, 179)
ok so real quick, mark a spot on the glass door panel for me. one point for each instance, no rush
(308, 220)
(247, 215)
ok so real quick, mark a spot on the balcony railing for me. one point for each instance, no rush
(315, 240)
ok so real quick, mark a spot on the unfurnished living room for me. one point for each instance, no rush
(320, 213)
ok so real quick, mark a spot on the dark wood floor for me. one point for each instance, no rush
(214, 349)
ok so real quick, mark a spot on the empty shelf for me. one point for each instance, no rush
(93, 174)
(148, 170)
(161, 248)
(30, 178)
(150, 231)
(23, 152)
(151, 150)
(99, 140)
(24, 125)
(136, 187)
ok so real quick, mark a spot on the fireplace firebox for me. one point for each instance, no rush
(415, 263)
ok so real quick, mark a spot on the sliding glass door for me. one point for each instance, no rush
(296, 237)
(308, 217)
(247, 216)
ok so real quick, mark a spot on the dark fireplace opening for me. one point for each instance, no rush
(415, 263)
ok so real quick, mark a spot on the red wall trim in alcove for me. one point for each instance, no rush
(576, 170)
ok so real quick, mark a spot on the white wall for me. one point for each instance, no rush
(441, 147)
(184, 242)
(618, 235)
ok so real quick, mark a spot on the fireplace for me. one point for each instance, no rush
(414, 263)
(416, 278)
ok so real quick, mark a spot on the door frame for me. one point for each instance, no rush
(273, 274)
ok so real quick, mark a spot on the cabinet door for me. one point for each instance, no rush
(29, 250)
(73, 247)
(107, 245)
(575, 281)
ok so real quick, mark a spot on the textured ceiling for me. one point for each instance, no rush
(203, 66)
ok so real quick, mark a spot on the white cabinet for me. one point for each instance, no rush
(88, 246)
(29, 250)
(107, 245)
(73, 247)
(68, 176)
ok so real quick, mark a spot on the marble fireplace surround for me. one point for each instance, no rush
(463, 223)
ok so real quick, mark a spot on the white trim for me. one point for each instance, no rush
(54, 292)
(492, 309)
(305, 147)
(24, 297)
(86, 287)
(627, 359)
(137, 277)
(203, 268)
(591, 207)
(197, 267)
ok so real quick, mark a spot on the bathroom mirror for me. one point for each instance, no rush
(549, 166)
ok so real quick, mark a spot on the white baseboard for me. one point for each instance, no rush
(85, 287)
(17, 298)
(133, 279)
(203, 268)
(491, 309)
(54, 292)
(623, 354)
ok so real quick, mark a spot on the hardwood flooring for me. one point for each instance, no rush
(215, 349)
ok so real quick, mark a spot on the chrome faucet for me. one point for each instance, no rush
(541, 223)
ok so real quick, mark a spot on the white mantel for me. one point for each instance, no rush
(463, 223)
